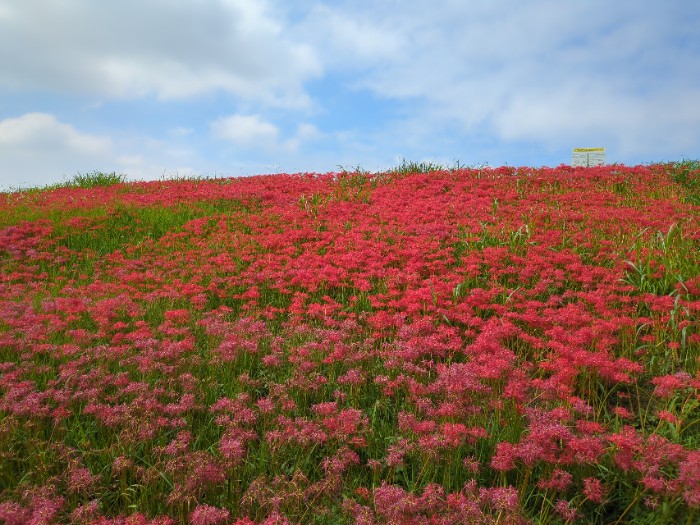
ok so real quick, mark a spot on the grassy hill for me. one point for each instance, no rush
(424, 345)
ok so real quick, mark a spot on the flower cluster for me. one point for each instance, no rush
(492, 345)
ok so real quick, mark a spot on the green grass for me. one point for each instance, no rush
(80, 180)
(687, 173)
(664, 262)
(30, 453)
(96, 179)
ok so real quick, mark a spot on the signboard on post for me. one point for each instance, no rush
(588, 157)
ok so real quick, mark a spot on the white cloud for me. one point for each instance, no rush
(245, 130)
(130, 161)
(168, 49)
(253, 132)
(35, 147)
(633, 123)
(6, 12)
(537, 72)
(38, 149)
(305, 133)
(41, 130)
(352, 39)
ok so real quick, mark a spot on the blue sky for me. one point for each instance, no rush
(156, 88)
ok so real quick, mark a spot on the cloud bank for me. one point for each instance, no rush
(241, 86)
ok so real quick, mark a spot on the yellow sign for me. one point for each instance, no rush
(588, 157)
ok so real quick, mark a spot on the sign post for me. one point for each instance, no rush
(588, 157)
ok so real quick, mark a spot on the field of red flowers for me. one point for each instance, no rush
(470, 346)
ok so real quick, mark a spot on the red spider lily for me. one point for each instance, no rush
(204, 514)
(451, 347)
(593, 490)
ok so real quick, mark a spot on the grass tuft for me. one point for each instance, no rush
(687, 173)
(96, 179)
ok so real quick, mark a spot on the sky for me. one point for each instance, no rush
(224, 88)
